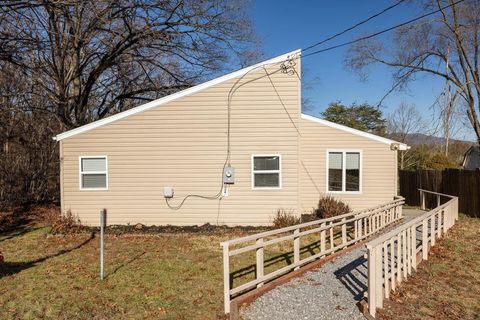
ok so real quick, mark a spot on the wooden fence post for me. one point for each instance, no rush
(380, 277)
(422, 199)
(260, 261)
(408, 243)
(332, 240)
(296, 248)
(322, 238)
(439, 224)
(385, 270)
(399, 258)
(372, 305)
(425, 239)
(355, 232)
(432, 230)
(360, 227)
(413, 234)
(404, 254)
(392, 263)
(226, 278)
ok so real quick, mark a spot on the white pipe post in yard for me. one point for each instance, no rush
(103, 222)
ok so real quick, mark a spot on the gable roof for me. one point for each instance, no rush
(402, 146)
(172, 97)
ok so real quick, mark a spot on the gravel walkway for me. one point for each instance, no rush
(329, 292)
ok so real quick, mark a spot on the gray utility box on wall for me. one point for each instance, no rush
(229, 175)
(168, 192)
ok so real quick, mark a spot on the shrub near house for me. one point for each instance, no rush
(329, 207)
(285, 218)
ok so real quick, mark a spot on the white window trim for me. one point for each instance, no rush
(267, 171)
(80, 173)
(344, 168)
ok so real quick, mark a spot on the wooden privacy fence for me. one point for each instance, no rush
(392, 256)
(361, 224)
(465, 184)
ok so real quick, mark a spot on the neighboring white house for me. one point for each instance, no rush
(283, 159)
(471, 160)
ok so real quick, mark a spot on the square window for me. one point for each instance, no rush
(266, 171)
(93, 173)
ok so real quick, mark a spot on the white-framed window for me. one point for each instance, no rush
(93, 172)
(344, 171)
(266, 171)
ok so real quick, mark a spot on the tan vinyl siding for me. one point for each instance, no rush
(378, 166)
(182, 144)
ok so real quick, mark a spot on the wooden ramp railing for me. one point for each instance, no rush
(392, 256)
(360, 225)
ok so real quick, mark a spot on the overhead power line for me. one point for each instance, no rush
(382, 31)
(354, 26)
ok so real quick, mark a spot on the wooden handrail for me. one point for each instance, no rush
(393, 256)
(364, 223)
(310, 223)
(437, 193)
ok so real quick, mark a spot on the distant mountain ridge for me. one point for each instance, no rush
(420, 138)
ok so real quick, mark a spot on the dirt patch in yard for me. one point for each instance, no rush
(206, 229)
(447, 285)
(49, 215)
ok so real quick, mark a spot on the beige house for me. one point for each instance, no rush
(245, 127)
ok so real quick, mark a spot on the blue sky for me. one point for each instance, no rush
(285, 25)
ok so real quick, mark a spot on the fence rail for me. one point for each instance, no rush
(361, 225)
(392, 256)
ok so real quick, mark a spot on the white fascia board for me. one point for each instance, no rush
(360, 133)
(172, 97)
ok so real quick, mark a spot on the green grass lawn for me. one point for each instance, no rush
(447, 285)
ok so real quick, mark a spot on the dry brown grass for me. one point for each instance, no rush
(175, 276)
(447, 286)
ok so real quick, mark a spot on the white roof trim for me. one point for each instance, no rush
(364, 134)
(172, 97)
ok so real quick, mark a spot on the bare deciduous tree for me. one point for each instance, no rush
(29, 162)
(449, 120)
(453, 37)
(95, 58)
(65, 63)
(403, 122)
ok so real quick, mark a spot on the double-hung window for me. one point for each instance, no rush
(344, 172)
(266, 171)
(93, 173)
